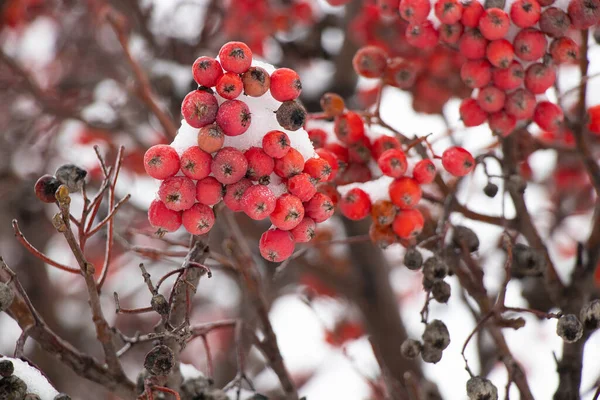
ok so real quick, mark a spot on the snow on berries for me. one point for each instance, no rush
(241, 143)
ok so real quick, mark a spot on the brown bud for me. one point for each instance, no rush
(6, 296)
(160, 304)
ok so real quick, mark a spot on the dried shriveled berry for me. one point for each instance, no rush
(441, 291)
(72, 176)
(435, 268)
(569, 328)
(436, 334)
(413, 259)
(410, 348)
(291, 115)
(12, 388)
(6, 368)
(465, 236)
(159, 361)
(332, 104)
(6, 296)
(431, 354)
(527, 261)
(590, 315)
(479, 388)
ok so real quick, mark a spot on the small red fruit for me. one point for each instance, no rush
(370, 61)
(291, 115)
(160, 162)
(408, 223)
(178, 193)
(258, 202)
(501, 123)
(161, 217)
(400, 73)
(285, 84)
(235, 57)
(509, 78)
(471, 113)
(383, 212)
(472, 44)
(472, 12)
(451, 33)
(276, 144)
(288, 212)
(555, 22)
(331, 159)
(525, 13)
(229, 165)
(448, 11)
(393, 163)
(210, 138)
(234, 117)
(206, 71)
(199, 219)
(234, 193)
(302, 186)
(405, 192)
(414, 11)
(424, 172)
(355, 205)
(476, 73)
(500, 53)
(260, 165)
(491, 99)
(199, 108)
(458, 161)
(422, 35)
(584, 13)
(256, 82)
(383, 143)
(209, 191)
(539, 78)
(494, 24)
(548, 116)
(195, 163)
(320, 208)
(520, 104)
(530, 44)
(289, 165)
(305, 230)
(229, 86)
(318, 168)
(349, 127)
(276, 245)
(564, 50)
(318, 137)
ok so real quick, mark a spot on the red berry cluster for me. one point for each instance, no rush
(206, 174)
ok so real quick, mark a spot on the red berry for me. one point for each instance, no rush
(422, 35)
(370, 61)
(476, 73)
(500, 53)
(548, 116)
(471, 113)
(209, 191)
(408, 224)
(554, 22)
(349, 127)
(530, 44)
(594, 119)
(288, 212)
(258, 202)
(400, 73)
(260, 165)
(393, 163)
(584, 13)
(160, 162)
(383, 212)
(45, 188)
(319, 169)
(448, 11)
(382, 236)
(355, 205)
(234, 193)
(525, 13)
(388, 7)
(332, 104)
(178, 193)
(206, 71)
(276, 144)
(341, 152)
(235, 57)
(318, 137)
(229, 86)
(330, 190)
(494, 24)
(234, 117)
(405, 192)
(195, 163)
(302, 186)
(520, 104)
(539, 78)
(508, 78)
(210, 138)
(199, 219)
(276, 245)
(491, 99)
(285, 84)
(256, 82)
(161, 217)
(458, 161)
(501, 123)
(414, 11)
(360, 152)
(229, 165)
(332, 160)
(289, 165)
(383, 143)
(472, 44)
(305, 230)
(424, 172)
(320, 208)
(564, 50)
(199, 108)
(451, 33)
(472, 12)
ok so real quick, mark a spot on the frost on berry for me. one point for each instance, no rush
(233, 117)
(479, 388)
(539, 78)
(405, 192)
(584, 13)
(161, 217)
(276, 144)
(229, 86)
(530, 44)
(260, 165)
(195, 163)
(520, 104)
(458, 161)
(258, 202)
(209, 191)
(383, 212)
(383, 143)
(288, 212)
(161, 161)
(256, 81)
(302, 186)
(206, 71)
(178, 193)
(355, 204)
(554, 22)
(319, 208)
(304, 231)
(292, 163)
(291, 115)
(285, 84)
(564, 50)
(332, 160)
(410, 348)
(235, 57)
(436, 333)
(276, 245)
(199, 108)
(319, 169)
(199, 219)
(229, 165)
(234, 193)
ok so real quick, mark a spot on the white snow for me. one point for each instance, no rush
(36, 382)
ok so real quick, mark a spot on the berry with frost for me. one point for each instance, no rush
(211, 138)
(319, 169)
(410, 349)
(229, 165)
(349, 127)
(276, 245)
(509, 78)
(471, 113)
(209, 191)
(258, 202)
(530, 44)
(178, 193)
(414, 11)
(292, 163)
(525, 13)
(12, 388)
(539, 78)
(332, 160)
(199, 219)
(320, 208)
(476, 73)
(285, 84)
(393, 163)
(520, 104)
(199, 108)
(304, 231)
(431, 354)
(471, 14)
(436, 334)
(554, 22)
(501, 123)
(569, 328)
(276, 144)
(256, 81)
(355, 205)
(424, 172)
(195, 163)
(288, 212)
(370, 61)
(441, 291)
(161, 161)
(234, 193)
(435, 268)
(235, 57)
(423, 35)
(302, 186)
(548, 116)
(206, 71)
(491, 99)
(161, 217)
(584, 13)
(260, 165)
(564, 50)
(233, 117)
(458, 161)
(479, 388)
(229, 86)
(448, 11)
(472, 44)
(6, 368)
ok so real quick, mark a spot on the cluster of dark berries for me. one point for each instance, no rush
(14, 388)
(436, 339)
(570, 328)
(204, 175)
(69, 175)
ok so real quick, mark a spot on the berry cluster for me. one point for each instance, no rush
(211, 172)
